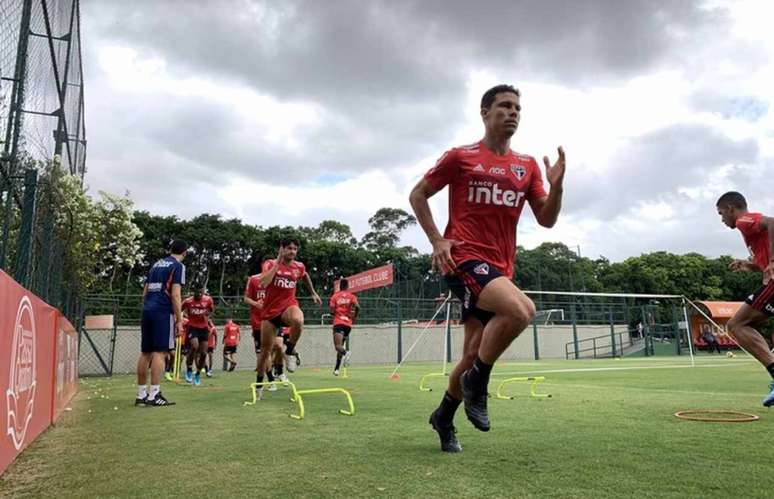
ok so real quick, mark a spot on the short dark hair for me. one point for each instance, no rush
(287, 241)
(732, 198)
(489, 96)
(343, 283)
(178, 247)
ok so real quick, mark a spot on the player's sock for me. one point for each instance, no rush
(142, 391)
(289, 348)
(154, 390)
(448, 407)
(479, 374)
(339, 356)
(278, 369)
(259, 378)
(770, 369)
(270, 375)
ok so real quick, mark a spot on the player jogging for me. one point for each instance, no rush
(758, 234)
(254, 296)
(162, 321)
(344, 309)
(198, 309)
(488, 185)
(280, 308)
(231, 336)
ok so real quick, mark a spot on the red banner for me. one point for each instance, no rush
(374, 278)
(66, 366)
(28, 377)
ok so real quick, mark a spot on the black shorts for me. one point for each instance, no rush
(281, 331)
(257, 340)
(210, 349)
(201, 334)
(157, 331)
(467, 282)
(278, 322)
(227, 350)
(342, 329)
(763, 299)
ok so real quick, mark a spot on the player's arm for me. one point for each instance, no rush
(547, 208)
(768, 272)
(442, 260)
(268, 275)
(144, 292)
(355, 310)
(177, 308)
(248, 293)
(310, 287)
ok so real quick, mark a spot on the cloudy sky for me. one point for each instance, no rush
(294, 112)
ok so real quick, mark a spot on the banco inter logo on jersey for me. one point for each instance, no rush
(283, 282)
(487, 192)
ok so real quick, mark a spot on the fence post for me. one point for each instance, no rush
(575, 330)
(676, 322)
(24, 244)
(448, 332)
(400, 333)
(535, 339)
(612, 333)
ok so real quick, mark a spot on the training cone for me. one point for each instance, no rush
(395, 377)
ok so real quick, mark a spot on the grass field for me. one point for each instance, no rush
(608, 431)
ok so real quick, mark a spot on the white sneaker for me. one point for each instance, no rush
(290, 363)
(283, 377)
(345, 359)
(272, 388)
(259, 393)
(335, 372)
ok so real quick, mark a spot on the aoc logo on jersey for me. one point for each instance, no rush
(519, 171)
(497, 170)
(491, 193)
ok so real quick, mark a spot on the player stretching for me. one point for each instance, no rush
(198, 309)
(758, 233)
(488, 184)
(344, 309)
(231, 337)
(162, 320)
(280, 308)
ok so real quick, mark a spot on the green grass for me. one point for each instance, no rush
(605, 433)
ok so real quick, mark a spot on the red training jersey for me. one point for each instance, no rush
(342, 306)
(486, 196)
(756, 238)
(185, 333)
(281, 292)
(198, 311)
(231, 334)
(212, 339)
(255, 292)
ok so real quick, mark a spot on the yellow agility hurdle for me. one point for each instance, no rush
(297, 397)
(178, 360)
(532, 389)
(423, 387)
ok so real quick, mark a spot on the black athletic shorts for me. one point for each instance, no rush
(278, 322)
(229, 349)
(763, 299)
(281, 332)
(257, 340)
(157, 331)
(342, 329)
(467, 282)
(201, 334)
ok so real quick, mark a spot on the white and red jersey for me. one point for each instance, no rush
(342, 306)
(198, 311)
(257, 293)
(486, 196)
(281, 291)
(231, 334)
(756, 238)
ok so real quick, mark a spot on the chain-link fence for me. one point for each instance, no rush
(43, 132)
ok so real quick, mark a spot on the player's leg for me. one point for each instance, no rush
(163, 339)
(294, 318)
(201, 360)
(278, 357)
(740, 326)
(144, 360)
(338, 345)
(209, 361)
(193, 351)
(268, 333)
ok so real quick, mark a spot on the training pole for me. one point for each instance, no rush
(447, 335)
(688, 332)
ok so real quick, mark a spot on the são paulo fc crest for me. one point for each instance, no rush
(519, 171)
(20, 395)
(481, 269)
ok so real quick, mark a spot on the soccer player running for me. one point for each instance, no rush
(488, 184)
(197, 309)
(254, 296)
(344, 309)
(231, 336)
(758, 234)
(162, 321)
(212, 342)
(280, 308)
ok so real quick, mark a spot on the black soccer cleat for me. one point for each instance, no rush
(158, 401)
(475, 404)
(447, 434)
(140, 401)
